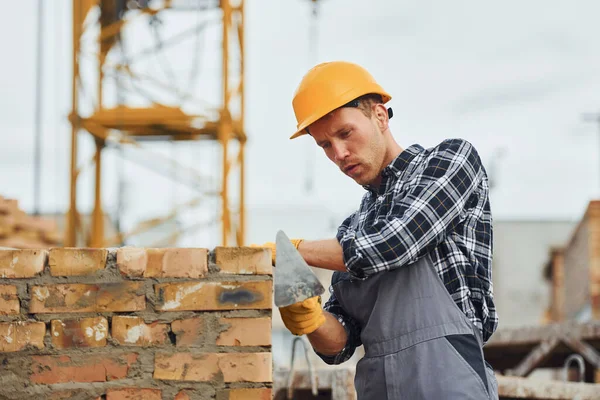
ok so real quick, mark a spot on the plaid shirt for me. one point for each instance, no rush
(430, 201)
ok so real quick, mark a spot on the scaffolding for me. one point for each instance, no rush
(102, 40)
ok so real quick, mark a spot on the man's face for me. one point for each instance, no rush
(353, 142)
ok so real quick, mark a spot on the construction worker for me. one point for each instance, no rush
(413, 264)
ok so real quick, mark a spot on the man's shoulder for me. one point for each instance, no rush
(453, 146)
(452, 154)
(457, 151)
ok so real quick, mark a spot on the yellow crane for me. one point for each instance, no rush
(99, 26)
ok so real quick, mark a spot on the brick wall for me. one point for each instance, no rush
(133, 323)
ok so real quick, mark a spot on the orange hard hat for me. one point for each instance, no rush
(328, 86)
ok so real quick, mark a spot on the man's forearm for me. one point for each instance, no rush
(330, 338)
(326, 254)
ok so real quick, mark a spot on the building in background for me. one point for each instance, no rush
(573, 272)
(521, 251)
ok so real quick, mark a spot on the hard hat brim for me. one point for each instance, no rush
(299, 133)
(303, 129)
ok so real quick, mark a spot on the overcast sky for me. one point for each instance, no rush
(514, 78)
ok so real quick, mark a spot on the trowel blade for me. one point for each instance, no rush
(294, 281)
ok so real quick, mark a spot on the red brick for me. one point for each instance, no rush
(86, 332)
(134, 331)
(77, 297)
(163, 262)
(81, 368)
(183, 395)
(246, 367)
(230, 367)
(16, 336)
(205, 296)
(245, 394)
(189, 332)
(186, 367)
(133, 394)
(132, 261)
(244, 260)
(22, 263)
(245, 332)
(70, 394)
(68, 261)
(9, 301)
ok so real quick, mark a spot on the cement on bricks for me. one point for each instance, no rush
(136, 332)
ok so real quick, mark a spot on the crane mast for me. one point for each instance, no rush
(99, 32)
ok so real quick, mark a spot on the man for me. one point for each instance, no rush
(412, 280)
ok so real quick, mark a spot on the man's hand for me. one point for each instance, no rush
(304, 317)
(324, 332)
(271, 246)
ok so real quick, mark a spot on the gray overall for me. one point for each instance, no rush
(418, 343)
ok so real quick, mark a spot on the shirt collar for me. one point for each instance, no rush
(398, 164)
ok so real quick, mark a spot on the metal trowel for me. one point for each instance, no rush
(294, 281)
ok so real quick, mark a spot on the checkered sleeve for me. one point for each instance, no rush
(343, 228)
(350, 325)
(432, 204)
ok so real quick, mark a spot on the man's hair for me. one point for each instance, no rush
(365, 103)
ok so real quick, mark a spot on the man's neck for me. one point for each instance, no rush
(393, 151)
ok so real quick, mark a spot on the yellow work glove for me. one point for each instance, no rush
(304, 317)
(271, 246)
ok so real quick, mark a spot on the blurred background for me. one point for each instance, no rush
(167, 123)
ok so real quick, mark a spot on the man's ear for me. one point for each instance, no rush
(381, 115)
